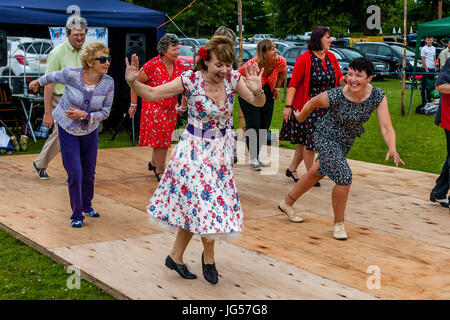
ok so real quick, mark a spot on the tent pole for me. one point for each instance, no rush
(404, 59)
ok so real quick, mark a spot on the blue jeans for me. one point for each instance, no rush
(79, 156)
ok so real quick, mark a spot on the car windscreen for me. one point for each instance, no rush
(186, 51)
(352, 54)
(399, 51)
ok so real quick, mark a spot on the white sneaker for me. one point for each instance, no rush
(339, 231)
(264, 164)
(255, 165)
(290, 212)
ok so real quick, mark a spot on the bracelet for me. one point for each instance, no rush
(258, 94)
(278, 89)
(289, 106)
(83, 117)
(133, 104)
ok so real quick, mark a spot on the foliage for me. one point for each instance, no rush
(205, 16)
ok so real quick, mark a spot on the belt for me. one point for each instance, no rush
(206, 133)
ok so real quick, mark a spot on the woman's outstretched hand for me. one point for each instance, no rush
(132, 71)
(252, 78)
(396, 156)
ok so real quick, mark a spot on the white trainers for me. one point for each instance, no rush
(290, 212)
(264, 164)
(255, 165)
(339, 231)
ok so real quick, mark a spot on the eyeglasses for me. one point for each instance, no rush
(103, 59)
(80, 35)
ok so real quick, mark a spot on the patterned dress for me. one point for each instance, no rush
(158, 118)
(338, 129)
(197, 191)
(322, 78)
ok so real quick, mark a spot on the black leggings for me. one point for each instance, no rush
(258, 119)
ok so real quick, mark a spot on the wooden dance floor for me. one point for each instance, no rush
(398, 246)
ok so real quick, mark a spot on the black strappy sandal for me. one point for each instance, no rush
(290, 174)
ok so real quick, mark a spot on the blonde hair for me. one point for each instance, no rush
(88, 52)
(226, 32)
(222, 47)
(263, 46)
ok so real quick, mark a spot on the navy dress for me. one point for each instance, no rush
(338, 129)
(322, 78)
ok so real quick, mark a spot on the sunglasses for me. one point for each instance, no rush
(103, 59)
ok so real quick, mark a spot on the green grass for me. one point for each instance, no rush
(27, 274)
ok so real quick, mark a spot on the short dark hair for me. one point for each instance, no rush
(362, 64)
(316, 35)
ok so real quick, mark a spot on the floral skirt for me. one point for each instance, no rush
(197, 190)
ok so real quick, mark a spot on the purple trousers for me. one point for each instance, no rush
(79, 156)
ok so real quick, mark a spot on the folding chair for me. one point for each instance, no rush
(10, 111)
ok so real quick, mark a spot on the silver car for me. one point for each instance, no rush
(27, 58)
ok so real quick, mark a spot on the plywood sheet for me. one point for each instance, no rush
(136, 270)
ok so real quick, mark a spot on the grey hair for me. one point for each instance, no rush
(76, 22)
(165, 42)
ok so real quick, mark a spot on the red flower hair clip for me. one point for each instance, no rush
(202, 53)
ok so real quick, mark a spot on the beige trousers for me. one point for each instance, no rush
(51, 146)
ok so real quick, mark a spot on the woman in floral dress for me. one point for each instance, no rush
(197, 193)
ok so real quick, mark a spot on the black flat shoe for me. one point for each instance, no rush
(290, 174)
(182, 269)
(210, 272)
(151, 167)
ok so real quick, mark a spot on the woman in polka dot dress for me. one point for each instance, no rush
(349, 107)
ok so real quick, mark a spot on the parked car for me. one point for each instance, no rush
(248, 52)
(297, 38)
(202, 41)
(392, 55)
(291, 54)
(344, 55)
(342, 42)
(186, 56)
(26, 59)
(261, 36)
(412, 45)
(282, 45)
(190, 42)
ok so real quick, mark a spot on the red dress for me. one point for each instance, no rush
(158, 118)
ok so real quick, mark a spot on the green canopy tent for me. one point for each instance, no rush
(440, 27)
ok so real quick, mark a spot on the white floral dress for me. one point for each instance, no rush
(197, 190)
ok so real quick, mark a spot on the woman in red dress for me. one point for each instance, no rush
(158, 118)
